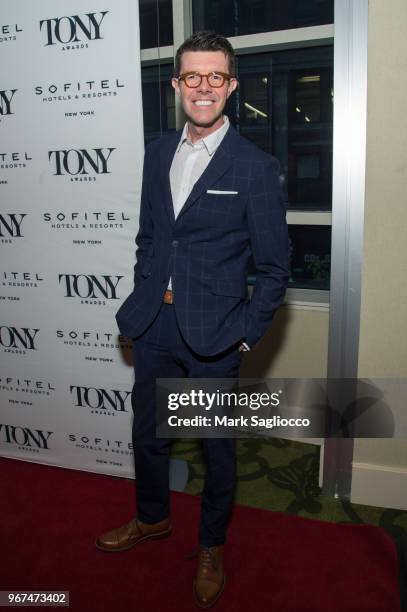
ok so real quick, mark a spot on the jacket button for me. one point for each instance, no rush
(174, 243)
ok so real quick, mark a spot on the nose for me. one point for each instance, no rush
(204, 86)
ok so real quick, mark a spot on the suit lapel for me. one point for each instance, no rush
(219, 164)
(166, 157)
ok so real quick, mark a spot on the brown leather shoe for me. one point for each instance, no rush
(132, 533)
(209, 579)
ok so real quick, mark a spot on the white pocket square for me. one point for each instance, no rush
(219, 192)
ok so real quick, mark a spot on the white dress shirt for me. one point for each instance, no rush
(189, 162)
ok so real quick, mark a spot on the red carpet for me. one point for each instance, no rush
(275, 563)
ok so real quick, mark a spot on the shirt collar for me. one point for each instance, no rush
(212, 141)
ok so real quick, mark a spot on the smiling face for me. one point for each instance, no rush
(203, 105)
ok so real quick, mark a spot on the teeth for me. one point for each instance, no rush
(203, 102)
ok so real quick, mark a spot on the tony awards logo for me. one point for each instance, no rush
(100, 401)
(6, 97)
(10, 226)
(18, 340)
(80, 164)
(30, 439)
(73, 29)
(91, 289)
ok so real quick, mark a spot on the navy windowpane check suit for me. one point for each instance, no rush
(235, 209)
(206, 249)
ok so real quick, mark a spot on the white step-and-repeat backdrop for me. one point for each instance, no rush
(71, 154)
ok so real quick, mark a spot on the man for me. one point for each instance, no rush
(210, 198)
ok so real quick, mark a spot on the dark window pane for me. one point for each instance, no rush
(284, 104)
(232, 18)
(155, 26)
(158, 101)
(310, 257)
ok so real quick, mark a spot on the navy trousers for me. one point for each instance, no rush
(161, 352)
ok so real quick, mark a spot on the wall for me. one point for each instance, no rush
(380, 466)
(295, 346)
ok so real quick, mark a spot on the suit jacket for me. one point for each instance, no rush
(235, 209)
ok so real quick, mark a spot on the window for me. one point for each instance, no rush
(233, 18)
(285, 106)
(155, 26)
(311, 256)
(158, 101)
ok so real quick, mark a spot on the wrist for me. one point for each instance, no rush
(244, 347)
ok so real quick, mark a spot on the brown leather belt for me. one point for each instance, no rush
(167, 298)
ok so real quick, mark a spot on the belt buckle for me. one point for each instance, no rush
(167, 297)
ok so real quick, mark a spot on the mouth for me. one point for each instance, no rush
(203, 102)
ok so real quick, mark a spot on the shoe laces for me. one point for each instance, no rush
(134, 525)
(207, 559)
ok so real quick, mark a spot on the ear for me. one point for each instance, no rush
(233, 83)
(175, 84)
